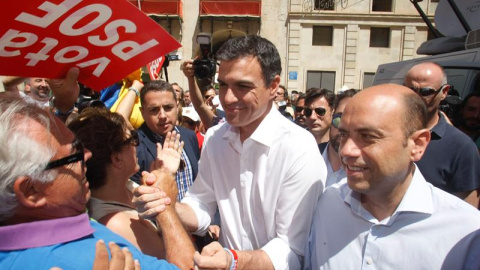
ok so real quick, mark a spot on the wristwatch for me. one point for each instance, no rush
(134, 90)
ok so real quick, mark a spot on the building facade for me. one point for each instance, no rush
(322, 43)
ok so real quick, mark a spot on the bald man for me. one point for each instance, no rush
(451, 161)
(384, 215)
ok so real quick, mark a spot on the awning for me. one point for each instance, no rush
(160, 7)
(249, 8)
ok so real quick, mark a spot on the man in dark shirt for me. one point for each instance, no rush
(451, 161)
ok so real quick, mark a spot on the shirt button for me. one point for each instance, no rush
(369, 261)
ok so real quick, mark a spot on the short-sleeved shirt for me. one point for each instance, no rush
(68, 243)
(451, 161)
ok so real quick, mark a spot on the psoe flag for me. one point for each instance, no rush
(106, 39)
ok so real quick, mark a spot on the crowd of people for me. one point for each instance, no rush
(245, 176)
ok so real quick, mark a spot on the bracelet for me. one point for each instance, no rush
(233, 254)
(134, 90)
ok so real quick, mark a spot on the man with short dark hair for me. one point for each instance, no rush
(300, 111)
(264, 189)
(335, 171)
(385, 215)
(469, 121)
(159, 110)
(318, 112)
(451, 161)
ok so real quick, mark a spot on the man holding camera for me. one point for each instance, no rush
(451, 161)
(265, 190)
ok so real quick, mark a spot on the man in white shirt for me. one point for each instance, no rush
(335, 171)
(265, 188)
(385, 215)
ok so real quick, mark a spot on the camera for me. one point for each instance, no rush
(88, 98)
(206, 66)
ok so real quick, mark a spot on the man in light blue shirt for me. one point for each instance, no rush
(385, 215)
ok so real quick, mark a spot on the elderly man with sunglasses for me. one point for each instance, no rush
(44, 193)
(451, 161)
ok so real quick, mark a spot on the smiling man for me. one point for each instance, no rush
(44, 193)
(264, 188)
(386, 216)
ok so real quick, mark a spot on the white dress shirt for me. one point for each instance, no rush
(332, 177)
(266, 189)
(430, 229)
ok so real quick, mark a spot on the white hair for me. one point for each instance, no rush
(20, 155)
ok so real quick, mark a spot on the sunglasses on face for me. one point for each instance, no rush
(78, 156)
(426, 91)
(319, 111)
(133, 140)
(299, 109)
(336, 120)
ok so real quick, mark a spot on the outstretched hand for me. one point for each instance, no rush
(168, 156)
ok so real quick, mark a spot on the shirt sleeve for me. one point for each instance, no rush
(295, 209)
(201, 196)
(466, 176)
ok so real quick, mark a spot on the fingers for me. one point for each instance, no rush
(101, 256)
(213, 257)
(118, 257)
(148, 178)
(72, 76)
(150, 201)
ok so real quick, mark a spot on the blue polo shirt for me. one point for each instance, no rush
(451, 161)
(68, 243)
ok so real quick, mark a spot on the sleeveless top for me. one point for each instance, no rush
(99, 208)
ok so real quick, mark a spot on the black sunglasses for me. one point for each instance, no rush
(133, 140)
(426, 91)
(78, 156)
(319, 111)
(299, 109)
(336, 118)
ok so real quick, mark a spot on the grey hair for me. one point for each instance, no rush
(20, 155)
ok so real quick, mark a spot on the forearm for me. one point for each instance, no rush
(178, 246)
(187, 217)
(470, 197)
(206, 115)
(125, 106)
(256, 259)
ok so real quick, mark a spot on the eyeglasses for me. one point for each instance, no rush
(208, 96)
(426, 91)
(336, 118)
(319, 111)
(133, 140)
(299, 109)
(78, 156)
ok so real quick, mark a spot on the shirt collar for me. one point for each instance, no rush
(417, 198)
(44, 232)
(438, 131)
(265, 133)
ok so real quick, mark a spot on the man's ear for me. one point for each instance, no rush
(445, 90)
(420, 139)
(29, 194)
(274, 85)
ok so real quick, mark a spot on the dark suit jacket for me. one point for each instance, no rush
(147, 150)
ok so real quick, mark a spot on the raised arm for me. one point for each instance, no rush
(125, 106)
(203, 110)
